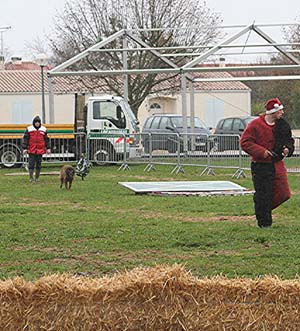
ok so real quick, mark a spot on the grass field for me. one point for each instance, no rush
(100, 227)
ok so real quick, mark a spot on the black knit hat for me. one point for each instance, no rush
(36, 119)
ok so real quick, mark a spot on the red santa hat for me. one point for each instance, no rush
(273, 105)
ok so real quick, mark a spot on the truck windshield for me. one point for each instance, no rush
(130, 113)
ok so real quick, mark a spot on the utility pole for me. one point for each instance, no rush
(2, 30)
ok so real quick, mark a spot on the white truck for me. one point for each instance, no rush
(111, 128)
(105, 122)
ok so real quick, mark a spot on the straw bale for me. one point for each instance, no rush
(158, 298)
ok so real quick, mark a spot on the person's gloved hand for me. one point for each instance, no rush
(285, 151)
(267, 154)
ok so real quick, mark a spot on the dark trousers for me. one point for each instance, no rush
(35, 161)
(263, 175)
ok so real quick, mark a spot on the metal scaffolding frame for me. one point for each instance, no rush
(129, 37)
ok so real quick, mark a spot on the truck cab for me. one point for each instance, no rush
(111, 128)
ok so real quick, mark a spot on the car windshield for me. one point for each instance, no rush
(178, 122)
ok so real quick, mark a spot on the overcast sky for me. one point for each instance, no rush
(30, 19)
(260, 11)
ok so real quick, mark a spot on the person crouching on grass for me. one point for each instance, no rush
(268, 139)
(36, 143)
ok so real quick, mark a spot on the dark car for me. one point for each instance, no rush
(231, 128)
(166, 133)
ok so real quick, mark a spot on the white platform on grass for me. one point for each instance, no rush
(184, 186)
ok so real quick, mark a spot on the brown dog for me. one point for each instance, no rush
(67, 173)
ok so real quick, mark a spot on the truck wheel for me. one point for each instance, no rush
(103, 156)
(9, 157)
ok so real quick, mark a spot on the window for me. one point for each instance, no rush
(155, 107)
(214, 109)
(103, 110)
(227, 125)
(220, 124)
(148, 123)
(237, 125)
(178, 122)
(22, 112)
(96, 111)
(155, 122)
(165, 121)
(109, 111)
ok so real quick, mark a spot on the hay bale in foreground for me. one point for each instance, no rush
(150, 299)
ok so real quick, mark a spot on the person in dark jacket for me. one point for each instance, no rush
(283, 138)
(35, 144)
(268, 139)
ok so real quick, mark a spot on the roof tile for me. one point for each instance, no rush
(29, 81)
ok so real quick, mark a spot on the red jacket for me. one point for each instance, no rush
(257, 138)
(36, 141)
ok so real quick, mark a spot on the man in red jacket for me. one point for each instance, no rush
(268, 139)
(35, 143)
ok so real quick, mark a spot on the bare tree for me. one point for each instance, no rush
(86, 22)
(38, 46)
(292, 33)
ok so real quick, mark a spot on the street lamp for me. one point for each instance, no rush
(42, 61)
(3, 29)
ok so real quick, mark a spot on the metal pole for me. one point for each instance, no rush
(192, 113)
(125, 67)
(184, 111)
(51, 101)
(175, 70)
(43, 96)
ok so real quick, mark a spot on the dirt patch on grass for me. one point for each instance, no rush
(184, 218)
(221, 253)
(227, 218)
(95, 259)
(101, 207)
(53, 204)
(178, 217)
(42, 203)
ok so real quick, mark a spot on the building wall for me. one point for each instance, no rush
(210, 107)
(21, 108)
(168, 104)
(64, 106)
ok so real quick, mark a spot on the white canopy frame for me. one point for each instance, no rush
(190, 66)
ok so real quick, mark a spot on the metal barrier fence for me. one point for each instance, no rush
(64, 148)
(208, 152)
(178, 150)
